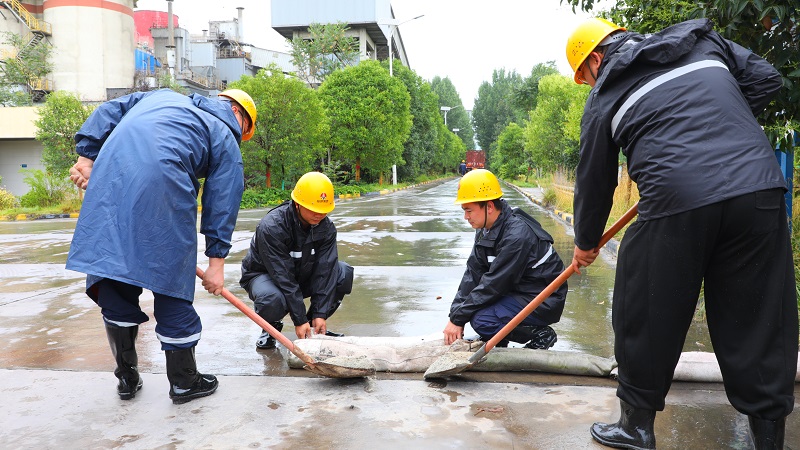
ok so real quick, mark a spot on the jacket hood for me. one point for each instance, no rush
(666, 46)
(221, 111)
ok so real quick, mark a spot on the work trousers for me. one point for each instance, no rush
(491, 319)
(740, 249)
(270, 303)
(177, 324)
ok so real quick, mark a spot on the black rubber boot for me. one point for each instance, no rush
(123, 347)
(542, 338)
(265, 341)
(634, 430)
(533, 336)
(333, 333)
(186, 383)
(767, 434)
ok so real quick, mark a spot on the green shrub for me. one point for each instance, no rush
(263, 197)
(550, 196)
(7, 200)
(46, 190)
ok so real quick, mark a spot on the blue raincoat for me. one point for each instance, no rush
(138, 222)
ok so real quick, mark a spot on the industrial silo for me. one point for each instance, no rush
(93, 46)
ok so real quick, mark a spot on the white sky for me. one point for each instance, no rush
(464, 40)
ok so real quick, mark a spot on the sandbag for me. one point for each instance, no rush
(388, 354)
(416, 354)
(703, 367)
(550, 361)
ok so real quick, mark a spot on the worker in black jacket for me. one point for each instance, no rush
(293, 256)
(681, 105)
(513, 260)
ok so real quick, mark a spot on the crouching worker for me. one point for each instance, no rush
(513, 260)
(293, 256)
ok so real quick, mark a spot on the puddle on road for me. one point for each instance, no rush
(408, 248)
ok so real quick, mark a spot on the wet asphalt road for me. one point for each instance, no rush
(409, 249)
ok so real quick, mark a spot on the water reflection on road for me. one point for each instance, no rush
(408, 248)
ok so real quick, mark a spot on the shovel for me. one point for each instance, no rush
(453, 363)
(335, 367)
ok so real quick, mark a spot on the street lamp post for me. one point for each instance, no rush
(445, 109)
(393, 24)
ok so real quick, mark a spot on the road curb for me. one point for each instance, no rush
(21, 217)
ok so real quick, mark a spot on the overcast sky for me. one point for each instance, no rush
(464, 40)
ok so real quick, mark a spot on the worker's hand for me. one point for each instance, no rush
(80, 171)
(320, 327)
(303, 331)
(452, 333)
(214, 278)
(583, 258)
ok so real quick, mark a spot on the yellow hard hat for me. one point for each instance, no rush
(241, 97)
(314, 191)
(585, 39)
(478, 185)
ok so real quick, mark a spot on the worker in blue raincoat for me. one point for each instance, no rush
(145, 154)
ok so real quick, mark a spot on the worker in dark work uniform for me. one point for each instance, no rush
(681, 104)
(293, 256)
(513, 260)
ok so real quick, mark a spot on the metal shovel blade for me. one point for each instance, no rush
(343, 367)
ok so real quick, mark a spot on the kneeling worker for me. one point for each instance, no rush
(292, 256)
(513, 260)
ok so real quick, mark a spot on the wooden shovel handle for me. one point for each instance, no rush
(262, 323)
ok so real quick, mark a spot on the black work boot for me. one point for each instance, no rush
(185, 382)
(634, 430)
(265, 341)
(542, 338)
(533, 336)
(123, 347)
(767, 434)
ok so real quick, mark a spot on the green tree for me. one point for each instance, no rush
(550, 137)
(20, 73)
(494, 108)
(60, 118)
(420, 149)
(326, 49)
(457, 117)
(526, 93)
(510, 157)
(291, 128)
(369, 114)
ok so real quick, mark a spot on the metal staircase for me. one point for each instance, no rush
(38, 87)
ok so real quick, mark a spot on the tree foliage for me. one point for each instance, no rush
(28, 63)
(495, 109)
(510, 159)
(770, 28)
(526, 93)
(327, 48)
(423, 148)
(291, 129)
(457, 117)
(369, 114)
(60, 118)
(551, 135)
